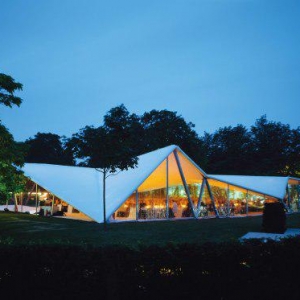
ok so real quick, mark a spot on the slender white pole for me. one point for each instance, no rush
(212, 199)
(200, 196)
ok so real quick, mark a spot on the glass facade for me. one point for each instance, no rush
(293, 195)
(206, 208)
(127, 211)
(220, 196)
(193, 178)
(152, 195)
(152, 204)
(237, 201)
(255, 203)
(164, 197)
(179, 203)
(180, 206)
(37, 200)
(231, 200)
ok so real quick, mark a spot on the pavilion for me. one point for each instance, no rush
(166, 184)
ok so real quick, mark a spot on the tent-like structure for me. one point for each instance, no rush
(166, 184)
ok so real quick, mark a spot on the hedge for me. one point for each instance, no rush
(250, 270)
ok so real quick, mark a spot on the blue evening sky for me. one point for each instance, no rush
(216, 62)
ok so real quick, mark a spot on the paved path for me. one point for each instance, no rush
(290, 232)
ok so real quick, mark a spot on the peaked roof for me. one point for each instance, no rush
(270, 185)
(82, 187)
(78, 186)
(122, 185)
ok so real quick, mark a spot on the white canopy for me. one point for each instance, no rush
(78, 186)
(82, 187)
(270, 185)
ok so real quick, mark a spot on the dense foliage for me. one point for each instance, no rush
(48, 148)
(11, 152)
(11, 157)
(252, 270)
(8, 86)
(266, 148)
(110, 146)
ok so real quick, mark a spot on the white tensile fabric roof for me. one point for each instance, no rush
(269, 185)
(82, 187)
(78, 186)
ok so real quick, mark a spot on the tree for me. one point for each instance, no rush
(11, 159)
(8, 86)
(126, 127)
(228, 150)
(292, 167)
(164, 127)
(11, 152)
(48, 148)
(107, 148)
(271, 147)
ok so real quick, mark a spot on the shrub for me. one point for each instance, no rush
(211, 271)
(274, 218)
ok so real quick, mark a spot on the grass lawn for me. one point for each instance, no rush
(29, 229)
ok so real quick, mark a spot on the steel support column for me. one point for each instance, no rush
(184, 182)
(200, 196)
(212, 199)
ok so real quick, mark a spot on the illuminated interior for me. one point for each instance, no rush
(237, 201)
(160, 197)
(163, 195)
(193, 177)
(206, 205)
(37, 200)
(220, 195)
(293, 195)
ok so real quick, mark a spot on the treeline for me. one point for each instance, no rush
(266, 148)
(250, 270)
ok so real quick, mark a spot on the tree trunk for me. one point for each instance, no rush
(16, 202)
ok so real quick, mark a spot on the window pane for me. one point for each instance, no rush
(206, 206)
(255, 203)
(237, 201)
(193, 178)
(152, 204)
(219, 191)
(153, 195)
(179, 204)
(127, 211)
(294, 190)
